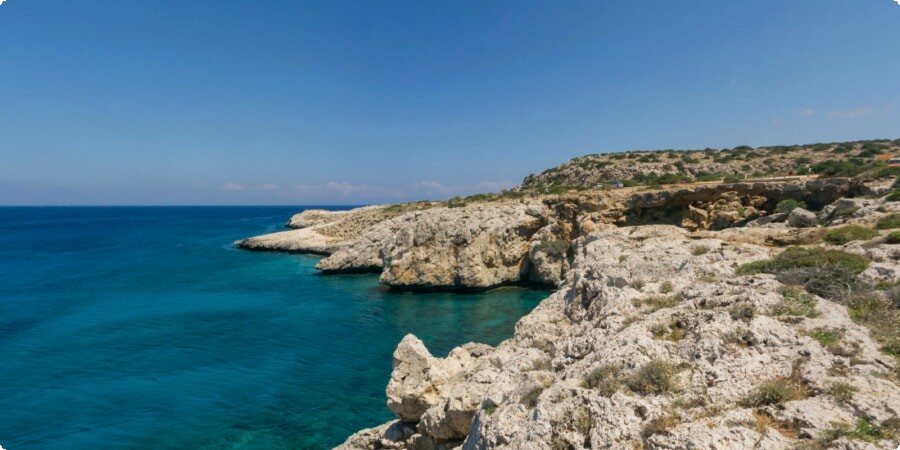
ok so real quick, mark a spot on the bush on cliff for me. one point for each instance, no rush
(893, 238)
(843, 235)
(655, 377)
(786, 206)
(828, 273)
(889, 222)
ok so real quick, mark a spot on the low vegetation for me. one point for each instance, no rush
(889, 222)
(864, 430)
(555, 247)
(893, 237)
(606, 379)
(656, 302)
(795, 302)
(652, 378)
(826, 337)
(841, 392)
(774, 392)
(744, 312)
(848, 233)
(828, 273)
(786, 206)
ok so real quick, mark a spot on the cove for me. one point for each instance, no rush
(135, 327)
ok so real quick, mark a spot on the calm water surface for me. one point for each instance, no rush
(144, 328)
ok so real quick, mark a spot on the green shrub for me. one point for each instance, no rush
(795, 302)
(456, 202)
(845, 234)
(864, 430)
(774, 392)
(788, 205)
(655, 377)
(893, 196)
(840, 168)
(742, 312)
(828, 273)
(605, 379)
(796, 257)
(657, 302)
(841, 392)
(732, 179)
(699, 250)
(826, 337)
(889, 222)
(893, 237)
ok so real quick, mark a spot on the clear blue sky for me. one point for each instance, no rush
(349, 102)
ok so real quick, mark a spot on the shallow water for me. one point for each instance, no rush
(143, 327)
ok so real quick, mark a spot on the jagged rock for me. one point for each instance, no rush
(478, 246)
(801, 218)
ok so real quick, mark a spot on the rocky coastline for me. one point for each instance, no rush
(676, 322)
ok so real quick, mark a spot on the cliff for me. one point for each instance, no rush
(842, 159)
(660, 338)
(527, 240)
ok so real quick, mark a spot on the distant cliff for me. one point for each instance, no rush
(842, 159)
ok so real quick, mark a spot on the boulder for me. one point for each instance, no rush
(801, 218)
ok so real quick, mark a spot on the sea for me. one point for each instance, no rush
(144, 327)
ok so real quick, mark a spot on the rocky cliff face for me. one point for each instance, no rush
(489, 244)
(478, 246)
(654, 341)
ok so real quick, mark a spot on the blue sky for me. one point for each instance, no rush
(351, 102)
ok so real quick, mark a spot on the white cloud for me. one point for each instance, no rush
(850, 113)
(806, 112)
(1, 2)
(233, 187)
(265, 187)
(898, 1)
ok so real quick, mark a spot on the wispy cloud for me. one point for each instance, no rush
(233, 187)
(265, 187)
(806, 112)
(855, 113)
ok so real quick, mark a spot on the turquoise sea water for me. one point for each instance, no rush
(144, 328)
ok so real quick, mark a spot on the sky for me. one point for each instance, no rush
(195, 102)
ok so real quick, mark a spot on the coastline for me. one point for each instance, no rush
(556, 241)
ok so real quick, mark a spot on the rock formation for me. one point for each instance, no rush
(653, 341)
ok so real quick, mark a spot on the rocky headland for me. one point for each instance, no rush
(745, 314)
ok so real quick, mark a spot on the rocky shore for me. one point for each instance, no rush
(736, 315)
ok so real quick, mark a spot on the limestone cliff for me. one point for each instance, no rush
(655, 340)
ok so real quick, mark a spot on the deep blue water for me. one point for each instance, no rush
(144, 328)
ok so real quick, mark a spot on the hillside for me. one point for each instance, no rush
(840, 159)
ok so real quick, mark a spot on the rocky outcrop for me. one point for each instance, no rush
(488, 244)
(304, 240)
(653, 341)
(320, 231)
(479, 246)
